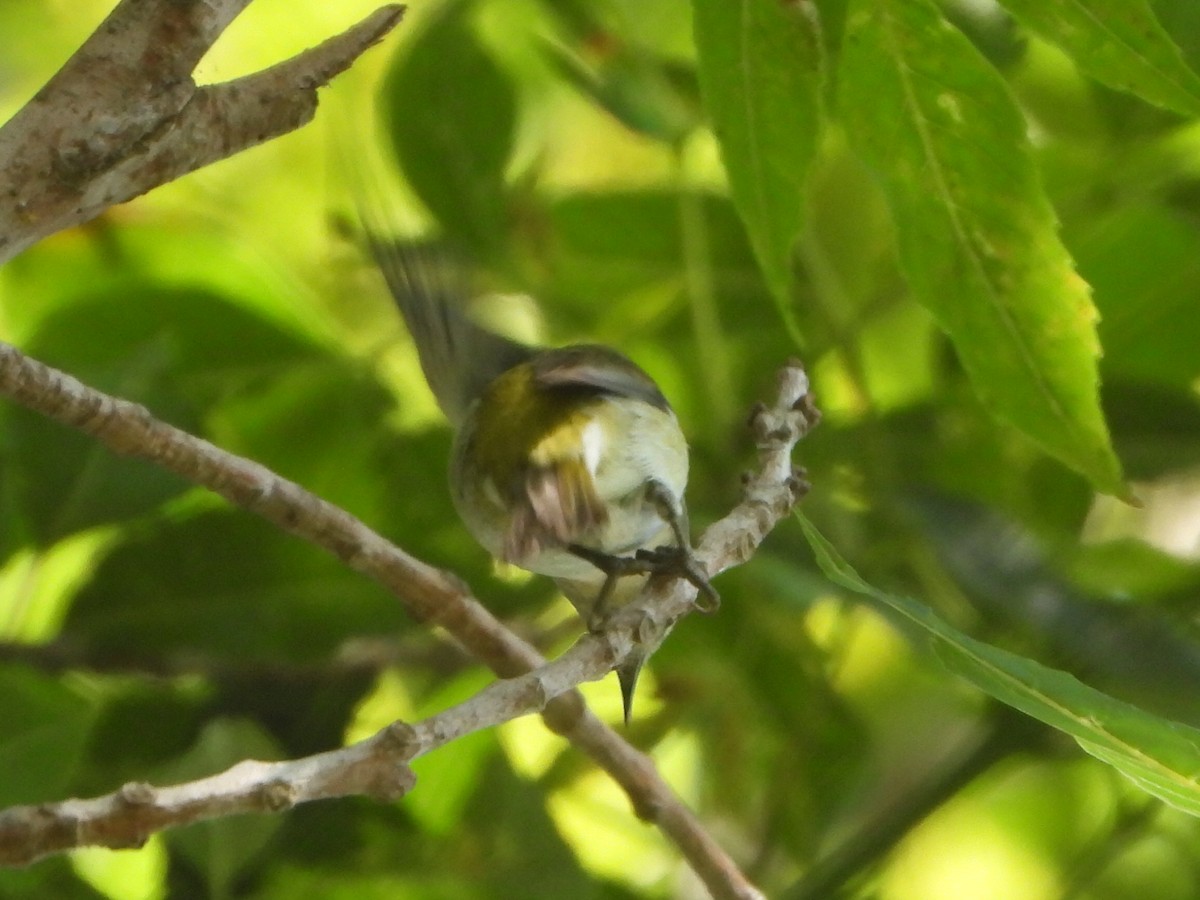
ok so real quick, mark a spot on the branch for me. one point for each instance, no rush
(123, 115)
(438, 597)
(376, 767)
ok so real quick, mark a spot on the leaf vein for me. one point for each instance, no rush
(953, 207)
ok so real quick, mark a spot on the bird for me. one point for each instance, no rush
(566, 461)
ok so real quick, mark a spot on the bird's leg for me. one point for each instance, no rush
(672, 511)
(676, 560)
(614, 568)
(679, 560)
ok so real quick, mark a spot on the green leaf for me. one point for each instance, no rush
(650, 95)
(615, 243)
(451, 112)
(348, 882)
(1156, 429)
(1002, 571)
(449, 780)
(177, 351)
(43, 730)
(53, 877)
(1136, 572)
(64, 481)
(1118, 42)
(761, 72)
(319, 424)
(978, 240)
(228, 586)
(1161, 756)
(1144, 262)
(142, 723)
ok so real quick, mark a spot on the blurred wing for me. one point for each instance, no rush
(458, 356)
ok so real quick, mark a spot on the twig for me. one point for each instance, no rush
(123, 115)
(767, 496)
(376, 767)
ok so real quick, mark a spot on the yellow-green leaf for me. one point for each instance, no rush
(978, 240)
(1161, 756)
(760, 73)
(1118, 42)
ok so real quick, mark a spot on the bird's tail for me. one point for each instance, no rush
(430, 285)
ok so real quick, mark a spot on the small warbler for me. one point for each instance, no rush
(567, 462)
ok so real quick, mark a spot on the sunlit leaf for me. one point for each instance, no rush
(1118, 42)
(1161, 756)
(453, 778)
(978, 239)
(761, 72)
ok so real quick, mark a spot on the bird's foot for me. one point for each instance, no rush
(665, 562)
(680, 562)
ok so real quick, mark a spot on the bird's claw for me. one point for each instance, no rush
(681, 562)
(665, 561)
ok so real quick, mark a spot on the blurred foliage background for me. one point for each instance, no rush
(150, 633)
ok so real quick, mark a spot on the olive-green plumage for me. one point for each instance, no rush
(557, 452)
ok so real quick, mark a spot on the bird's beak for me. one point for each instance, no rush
(627, 675)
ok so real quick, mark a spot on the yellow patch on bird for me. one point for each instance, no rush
(562, 443)
(539, 447)
(521, 423)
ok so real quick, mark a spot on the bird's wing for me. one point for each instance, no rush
(458, 356)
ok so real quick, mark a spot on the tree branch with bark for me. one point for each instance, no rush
(124, 114)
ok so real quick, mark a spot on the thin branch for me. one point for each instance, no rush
(438, 597)
(129, 429)
(123, 115)
(376, 767)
